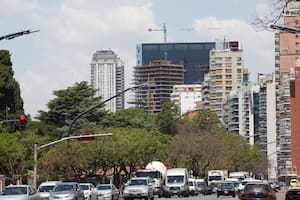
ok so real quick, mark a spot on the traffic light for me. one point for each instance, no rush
(23, 121)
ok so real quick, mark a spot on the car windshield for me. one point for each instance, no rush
(138, 182)
(14, 190)
(175, 179)
(46, 188)
(257, 187)
(226, 185)
(63, 187)
(85, 187)
(151, 174)
(103, 187)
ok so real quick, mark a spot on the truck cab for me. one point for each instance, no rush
(176, 183)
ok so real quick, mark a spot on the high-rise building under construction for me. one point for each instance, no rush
(193, 56)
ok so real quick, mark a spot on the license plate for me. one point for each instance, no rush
(226, 192)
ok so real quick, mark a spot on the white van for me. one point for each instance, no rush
(176, 183)
(45, 188)
(293, 181)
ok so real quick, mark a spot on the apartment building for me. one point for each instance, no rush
(226, 73)
(187, 97)
(107, 77)
(267, 122)
(287, 63)
(240, 111)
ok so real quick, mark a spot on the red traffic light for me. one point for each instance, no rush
(22, 117)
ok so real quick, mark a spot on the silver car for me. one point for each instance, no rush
(107, 191)
(89, 190)
(139, 187)
(19, 192)
(67, 191)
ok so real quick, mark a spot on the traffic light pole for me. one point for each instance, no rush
(37, 148)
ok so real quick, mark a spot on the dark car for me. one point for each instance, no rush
(226, 189)
(293, 193)
(258, 190)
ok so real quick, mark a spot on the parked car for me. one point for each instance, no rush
(89, 191)
(19, 192)
(107, 191)
(292, 193)
(245, 181)
(258, 190)
(67, 190)
(213, 187)
(139, 187)
(202, 187)
(45, 188)
(226, 189)
(193, 187)
(273, 186)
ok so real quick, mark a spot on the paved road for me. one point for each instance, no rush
(280, 196)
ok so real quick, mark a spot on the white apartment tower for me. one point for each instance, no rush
(267, 122)
(240, 112)
(187, 97)
(226, 73)
(107, 77)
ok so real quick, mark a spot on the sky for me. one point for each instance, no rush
(70, 31)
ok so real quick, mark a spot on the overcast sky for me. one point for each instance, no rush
(59, 55)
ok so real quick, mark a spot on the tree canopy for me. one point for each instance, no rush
(11, 102)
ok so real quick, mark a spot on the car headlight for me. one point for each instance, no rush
(125, 190)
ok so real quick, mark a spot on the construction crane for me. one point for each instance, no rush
(17, 34)
(164, 29)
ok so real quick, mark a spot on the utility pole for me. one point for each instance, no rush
(17, 34)
(36, 148)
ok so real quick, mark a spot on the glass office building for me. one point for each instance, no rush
(193, 56)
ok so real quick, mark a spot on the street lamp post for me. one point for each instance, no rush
(36, 148)
(102, 103)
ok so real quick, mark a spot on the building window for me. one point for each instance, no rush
(228, 58)
(228, 70)
(218, 59)
(284, 51)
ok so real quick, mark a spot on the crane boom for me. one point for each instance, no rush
(164, 29)
(17, 34)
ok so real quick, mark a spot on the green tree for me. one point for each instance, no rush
(202, 144)
(12, 156)
(10, 94)
(71, 102)
(126, 147)
(165, 119)
(130, 117)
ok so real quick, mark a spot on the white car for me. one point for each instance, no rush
(19, 192)
(45, 188)
(193, 187)
(107, 191)
(89, 190)
(139, 187)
